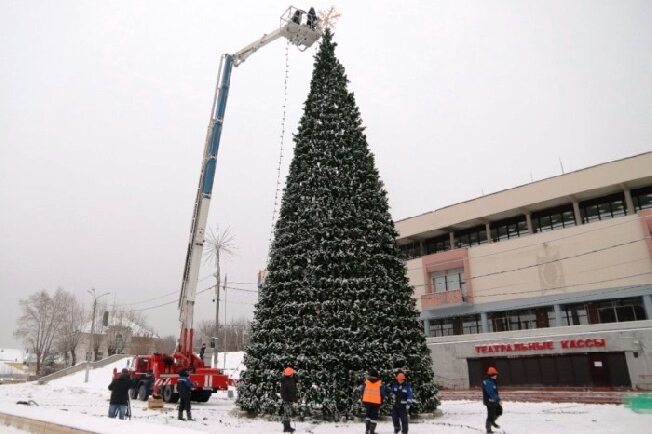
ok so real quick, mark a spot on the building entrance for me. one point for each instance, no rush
(574, 370)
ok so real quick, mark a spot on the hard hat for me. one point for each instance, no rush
(288, 372)
(400, 376)
(492, 371)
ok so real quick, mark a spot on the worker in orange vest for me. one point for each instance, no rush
(373, 392)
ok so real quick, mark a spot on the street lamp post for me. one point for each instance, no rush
(92, 343)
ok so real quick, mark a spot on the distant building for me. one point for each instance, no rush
(550, 282)
(120, 335)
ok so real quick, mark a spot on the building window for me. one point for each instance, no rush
(448, 280)
(524, 319)
(440, 327)
(627, 309)
(553, 218)
(410, 250)
(499, 322)
(509, 228)
(574, 314)
(437, 244)
(471, 325)
(642, 198)
(471, 237)
(603, 208)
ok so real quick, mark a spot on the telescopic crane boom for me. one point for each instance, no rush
(299, 28)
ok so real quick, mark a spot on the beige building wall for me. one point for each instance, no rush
(587, 257)
(415, 275)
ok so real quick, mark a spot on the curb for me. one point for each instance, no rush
(38, 426)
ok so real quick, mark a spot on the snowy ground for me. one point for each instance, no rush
(72, 402)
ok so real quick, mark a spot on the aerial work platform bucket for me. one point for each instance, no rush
(301, 28)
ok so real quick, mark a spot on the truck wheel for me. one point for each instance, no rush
(142, 392)
(167, 394)
(206, 396)
(132, 393)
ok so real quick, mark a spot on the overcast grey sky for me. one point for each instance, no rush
(104, 108)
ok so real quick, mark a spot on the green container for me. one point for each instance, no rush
(639, 403)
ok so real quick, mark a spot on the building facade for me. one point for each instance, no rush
(550, 281)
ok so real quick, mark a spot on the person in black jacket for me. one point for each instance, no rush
(119, 388)
(312, 18)
(289, 395)
(184, 387)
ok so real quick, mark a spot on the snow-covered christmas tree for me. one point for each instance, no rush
(336, 300)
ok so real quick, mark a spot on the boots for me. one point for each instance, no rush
(367, 424)
(372, 427)
(189, 416)
(287, 427)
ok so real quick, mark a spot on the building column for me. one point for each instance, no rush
(484, 320)
(451, 236)
(528, 219)
(558, 322)
(426, 328)
(647, 302)
(577, 212)
(629, 202)
(487, 227)
(422, 248)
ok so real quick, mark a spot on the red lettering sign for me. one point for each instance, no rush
(541, 345)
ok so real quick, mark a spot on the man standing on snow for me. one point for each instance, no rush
(119, 388)
(491, 398)
(372, 398)
(202, 350)
(289, 395)
(403, 397)
(184, 387)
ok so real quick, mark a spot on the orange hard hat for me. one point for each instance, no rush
(400, 376)
(288, 372)
(492, 371)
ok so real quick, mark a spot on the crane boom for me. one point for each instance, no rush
(297, 33)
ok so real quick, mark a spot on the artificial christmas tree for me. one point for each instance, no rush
(336, 300)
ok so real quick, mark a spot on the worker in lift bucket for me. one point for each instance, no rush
(296, 17)
(312, 18)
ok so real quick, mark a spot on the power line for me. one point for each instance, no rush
(570, 285)
(551, 261)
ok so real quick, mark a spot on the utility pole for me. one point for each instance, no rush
(218, 243)
(217, 306)
(92, 341)
(224, 344)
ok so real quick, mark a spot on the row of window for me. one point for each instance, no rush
(600, 312)
(551, 219)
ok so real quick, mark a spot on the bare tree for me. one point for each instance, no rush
(40, 322)
(124, 326)
(70, 333)
(233, 337)
(165, 345)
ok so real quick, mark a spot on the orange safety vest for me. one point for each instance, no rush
(371, 393)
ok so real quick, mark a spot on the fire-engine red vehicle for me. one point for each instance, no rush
(158, 373)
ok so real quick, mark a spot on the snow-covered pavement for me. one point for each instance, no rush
(72, 402)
